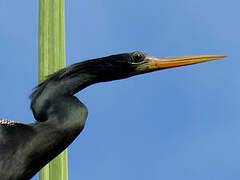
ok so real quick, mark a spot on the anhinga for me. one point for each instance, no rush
(26, 148)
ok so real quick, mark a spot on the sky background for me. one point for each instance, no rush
(173, 124)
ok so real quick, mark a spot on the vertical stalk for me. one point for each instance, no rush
(51, 50)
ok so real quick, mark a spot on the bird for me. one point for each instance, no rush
(60, 116)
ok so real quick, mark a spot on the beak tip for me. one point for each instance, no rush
(210, 57)
(222, 56)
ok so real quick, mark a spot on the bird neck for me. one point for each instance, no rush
(63, 83)
(76, 77)
(76, 83)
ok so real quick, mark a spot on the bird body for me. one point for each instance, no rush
(60, 116)
(26, 148)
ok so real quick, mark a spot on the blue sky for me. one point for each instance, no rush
(180, 123)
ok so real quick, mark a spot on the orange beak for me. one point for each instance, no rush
(155, 63)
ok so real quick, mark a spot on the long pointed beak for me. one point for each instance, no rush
(154, 63)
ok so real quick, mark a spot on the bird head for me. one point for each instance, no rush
(130, 64)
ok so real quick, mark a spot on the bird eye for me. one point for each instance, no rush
(137, 57)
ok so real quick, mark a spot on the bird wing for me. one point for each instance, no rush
(7, 122)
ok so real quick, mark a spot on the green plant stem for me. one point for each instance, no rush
(51, 58)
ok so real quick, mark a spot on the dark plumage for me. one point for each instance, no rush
(60, 116)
